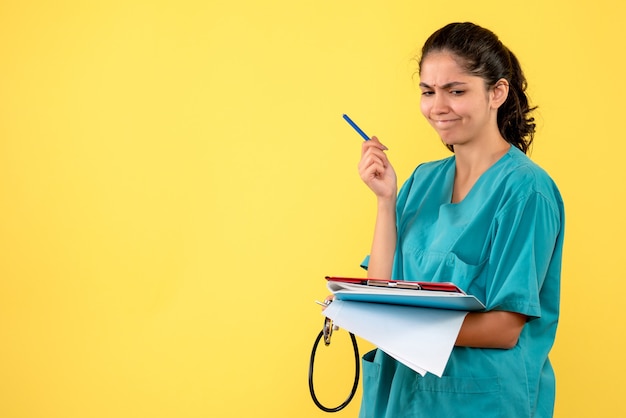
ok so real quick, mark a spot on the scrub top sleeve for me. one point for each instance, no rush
(523, 245)
(365, 264)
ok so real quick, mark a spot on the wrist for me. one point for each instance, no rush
(386, 203)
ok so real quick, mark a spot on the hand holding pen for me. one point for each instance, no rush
(374, 168)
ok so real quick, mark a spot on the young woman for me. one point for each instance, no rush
(488, 219)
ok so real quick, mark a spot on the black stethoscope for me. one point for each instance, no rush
(326, 332)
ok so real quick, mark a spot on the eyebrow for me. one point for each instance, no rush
(445, 86)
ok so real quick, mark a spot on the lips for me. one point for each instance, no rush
(442, 123)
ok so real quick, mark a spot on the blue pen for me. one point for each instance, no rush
(356, 128)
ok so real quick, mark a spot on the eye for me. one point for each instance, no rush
(427, 93)
(457, 92)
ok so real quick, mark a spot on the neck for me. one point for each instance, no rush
(471, 163)
(473, 160)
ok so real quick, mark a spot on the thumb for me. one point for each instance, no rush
(377, 141)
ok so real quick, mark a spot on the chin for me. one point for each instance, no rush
(451, 141)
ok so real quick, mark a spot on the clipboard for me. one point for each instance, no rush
(398, 292)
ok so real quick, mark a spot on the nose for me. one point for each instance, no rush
(439, 104)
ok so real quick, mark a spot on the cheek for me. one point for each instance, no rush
(425, 108)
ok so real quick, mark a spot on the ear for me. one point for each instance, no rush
(499, 93)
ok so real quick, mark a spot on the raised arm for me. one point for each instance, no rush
(378, 174)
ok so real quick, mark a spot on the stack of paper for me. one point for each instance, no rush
(416, 327)
(422, 298)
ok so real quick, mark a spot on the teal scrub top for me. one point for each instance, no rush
(503, 244)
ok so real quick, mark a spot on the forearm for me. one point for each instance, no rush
(384, 241)
(494, 329)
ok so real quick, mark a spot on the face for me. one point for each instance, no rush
(458, 105)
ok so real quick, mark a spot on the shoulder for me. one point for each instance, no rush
(427, 179)
(428, 172)
(519, 169)
(433, 168)
(523, 178)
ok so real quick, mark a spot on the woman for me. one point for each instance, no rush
(487, 219)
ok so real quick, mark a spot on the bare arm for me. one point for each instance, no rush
(384, 241)
(494, 329)
(376, 171)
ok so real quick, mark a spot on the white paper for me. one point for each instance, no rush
(420, 338)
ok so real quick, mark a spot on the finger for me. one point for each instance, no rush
(374, 143)
(373, 171)
(373, 157)
(372, 146)
(375, 140)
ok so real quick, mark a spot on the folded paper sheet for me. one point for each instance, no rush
(420, 338)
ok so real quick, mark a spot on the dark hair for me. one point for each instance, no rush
(482, 54)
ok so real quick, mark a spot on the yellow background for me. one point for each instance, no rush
(176, 180)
